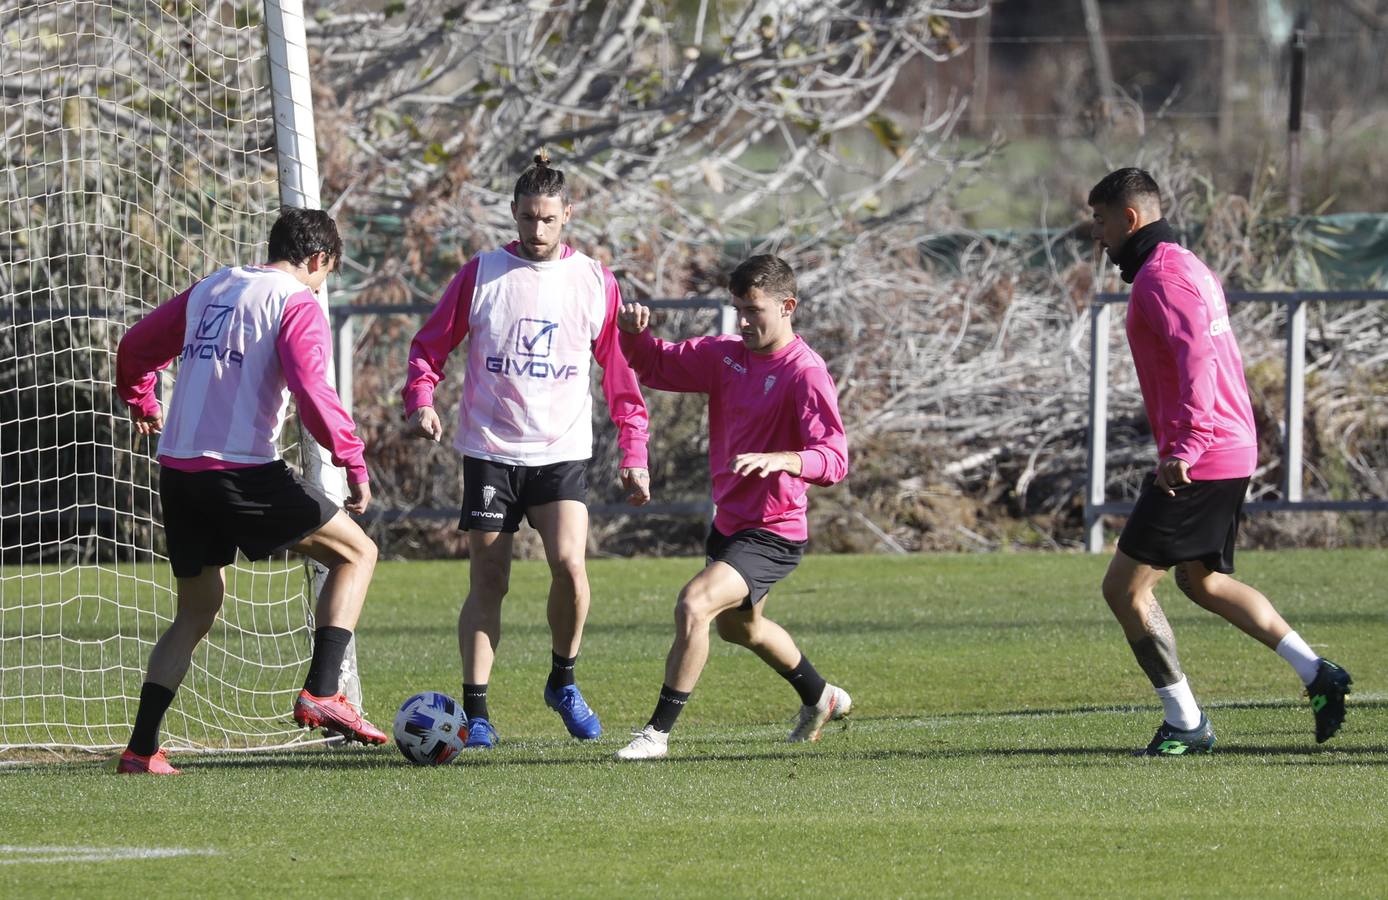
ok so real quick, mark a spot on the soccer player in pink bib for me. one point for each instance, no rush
(248, 337)
(536, 313)
(1187, 516)
(774, 429)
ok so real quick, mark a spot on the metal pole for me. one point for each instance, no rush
(345, 336)
(1100, 315)
(1228, 60)
(295, 145)
(1298, 89)
(1103, 71)
(1296, 400)
(978, 101)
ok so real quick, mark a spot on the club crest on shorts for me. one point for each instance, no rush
(488, 492)
(768, 384)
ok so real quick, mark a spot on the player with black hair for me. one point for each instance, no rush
(248, 338)
(1187, 516)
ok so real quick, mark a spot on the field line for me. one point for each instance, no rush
(11, 855)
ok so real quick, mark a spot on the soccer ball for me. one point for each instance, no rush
(430, 728)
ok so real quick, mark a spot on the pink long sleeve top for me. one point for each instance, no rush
(1189, 367)
(757, 403)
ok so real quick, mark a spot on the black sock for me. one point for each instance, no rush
(808, 683)
(561, 670)
(668, 708)
(475, 701)
(325, 669)
(154, 702)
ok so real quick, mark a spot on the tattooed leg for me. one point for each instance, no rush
(1156, 652)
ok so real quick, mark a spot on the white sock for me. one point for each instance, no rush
(1299, 653)
(1179, 705)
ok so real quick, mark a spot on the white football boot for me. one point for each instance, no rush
(833, 704)
(648, 743)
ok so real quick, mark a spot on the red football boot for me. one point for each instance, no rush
(157, 763)
(338, 715)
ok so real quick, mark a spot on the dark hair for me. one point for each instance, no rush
(539, 180)
(300, 233)
(1125, 188)
(769, 274)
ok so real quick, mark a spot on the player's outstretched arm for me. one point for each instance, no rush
(634, 318)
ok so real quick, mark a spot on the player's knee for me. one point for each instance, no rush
(366, 551)
(693, 608)
(1118, 593)
(568, 569)
(196, 621)
(351, 548)
(489, 582)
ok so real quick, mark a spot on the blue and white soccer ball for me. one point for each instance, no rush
(430, 728)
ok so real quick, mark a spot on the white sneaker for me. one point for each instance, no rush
(648, 743)
(833, 704)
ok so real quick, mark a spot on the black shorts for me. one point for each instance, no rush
(761, 557)
(1200, 523)
(261, 509)
(497, 495)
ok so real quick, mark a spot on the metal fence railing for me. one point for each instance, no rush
(1100, 317)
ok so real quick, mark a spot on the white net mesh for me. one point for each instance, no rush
(138, 156)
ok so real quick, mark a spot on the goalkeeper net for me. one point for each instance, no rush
(139, 156)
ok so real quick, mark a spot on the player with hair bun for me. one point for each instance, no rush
(536, 313)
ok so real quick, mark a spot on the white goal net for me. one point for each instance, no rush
(139, 155)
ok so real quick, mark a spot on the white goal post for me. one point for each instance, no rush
(140, 153)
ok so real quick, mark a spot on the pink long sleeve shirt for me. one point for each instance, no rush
(248, 337)
(1189, 367)
(757, 403)
(533, 329)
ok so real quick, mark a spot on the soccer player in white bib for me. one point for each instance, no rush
(248, 337)
(1187, 516)
(774, 429)
(535, 314)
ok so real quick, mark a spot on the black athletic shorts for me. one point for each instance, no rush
(261, 509)
(761, 557)
(1200, 523)
(496, 495)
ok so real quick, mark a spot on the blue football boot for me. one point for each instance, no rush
(480, 734)
(581, 721)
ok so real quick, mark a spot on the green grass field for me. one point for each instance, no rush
(995, 705)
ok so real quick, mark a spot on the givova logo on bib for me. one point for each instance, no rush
(535, 337)
(534, 342)
(210, 327)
